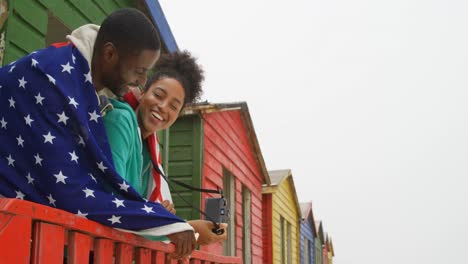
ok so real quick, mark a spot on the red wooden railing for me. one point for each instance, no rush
(33, 233)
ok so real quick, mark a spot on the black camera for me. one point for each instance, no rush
(216, 210)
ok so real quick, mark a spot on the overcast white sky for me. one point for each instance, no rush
(366, 102)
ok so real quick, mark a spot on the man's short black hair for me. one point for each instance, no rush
(129, 30)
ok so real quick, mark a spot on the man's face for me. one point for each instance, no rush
(130, 70)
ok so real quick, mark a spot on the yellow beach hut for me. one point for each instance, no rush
(281, 216)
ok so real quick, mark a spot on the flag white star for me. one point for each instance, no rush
(67, 67)
(74, 157)
(19, 195)
(28, 120)
(51, 200)
(88, 77)
(92, 177)
(118, 202)
(115, 219)
(20, 141)
(88, 192)
(73, 102)
(11, 161)
(81, 214)
(39, 98)
(48, 138)
(22, 82)
(60, 177)
(148, 209)
(38, 159)
(101, 166)
(73, 58)
(30, 179)
(93, 116)
(11, 69)
(62, 118)
(80, 140)
(4, 123)
(51, 79)
(34, 63)
(12, 102)
(124, 186)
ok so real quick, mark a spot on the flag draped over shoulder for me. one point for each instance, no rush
(54, 148)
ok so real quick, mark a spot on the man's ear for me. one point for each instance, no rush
(110, 54)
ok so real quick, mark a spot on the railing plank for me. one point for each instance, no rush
(79, 246)
(15, 247)
(17, 215)
(123, 254)
(48, 244)
(142, 256)
(103, 251)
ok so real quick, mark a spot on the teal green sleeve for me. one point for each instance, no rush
(117, 132)
(124, 140)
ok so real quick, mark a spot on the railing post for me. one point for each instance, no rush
(103, 251)
(123, 254)
(79, 247)
(15, 238)
(48, 244)
(143, 256)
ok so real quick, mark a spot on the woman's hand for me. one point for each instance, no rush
(169, 206)
(204, 229)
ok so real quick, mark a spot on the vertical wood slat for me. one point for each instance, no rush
(79, 246)
(159, 257)
(123, 253)
(14, 245)
(103, 251)
(195, 261)
(143, 256)
(48, 244)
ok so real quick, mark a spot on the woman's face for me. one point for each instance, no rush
(160, 105)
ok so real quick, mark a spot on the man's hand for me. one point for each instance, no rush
(169, 206)
(204, 228)
(184, 242)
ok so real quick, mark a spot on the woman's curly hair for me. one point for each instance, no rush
(183, 67)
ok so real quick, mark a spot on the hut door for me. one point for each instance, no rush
(229, 246)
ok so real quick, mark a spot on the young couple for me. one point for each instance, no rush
(61, 146)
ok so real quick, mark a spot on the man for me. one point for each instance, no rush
(54, 145)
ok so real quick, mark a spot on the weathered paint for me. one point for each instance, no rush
(226, 148)
(226, 145)
(267, 228)
(284, 205)
(183, 151)
(26, 28)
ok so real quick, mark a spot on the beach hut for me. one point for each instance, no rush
(308, 234)
(319, 242)
(331, 251)
(282, 214)
(215, 146)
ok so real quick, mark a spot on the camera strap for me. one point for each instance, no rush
(217, 230)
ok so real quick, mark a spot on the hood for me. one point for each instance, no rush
(84, 38)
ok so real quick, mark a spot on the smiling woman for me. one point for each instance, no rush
(160, 106)
(176, 82)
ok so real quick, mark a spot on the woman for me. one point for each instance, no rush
(176, 82)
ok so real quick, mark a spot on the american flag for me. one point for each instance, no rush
(54, 148)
